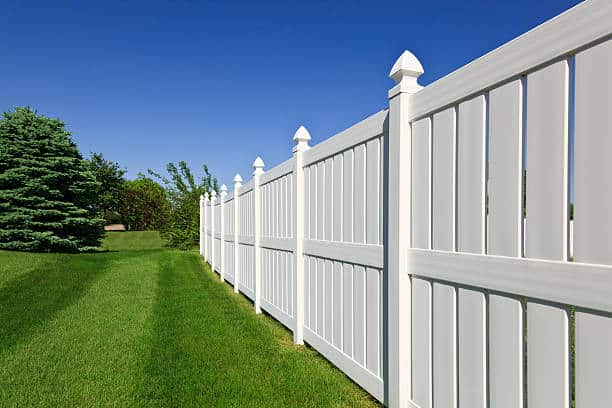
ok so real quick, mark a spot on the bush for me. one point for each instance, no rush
(109, 176)
(182, 228)
(46, 190)
(143, 205)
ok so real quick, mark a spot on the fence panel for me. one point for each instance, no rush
(593, 221)
(470, 300)
(513, 138)
(228, 239)
(278, 275)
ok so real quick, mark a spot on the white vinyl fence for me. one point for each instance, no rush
(427, 251)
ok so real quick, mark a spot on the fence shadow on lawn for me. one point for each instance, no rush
(31, 300)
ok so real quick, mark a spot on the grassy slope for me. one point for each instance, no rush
(144, 325)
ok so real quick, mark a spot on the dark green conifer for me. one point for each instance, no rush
(46, 190)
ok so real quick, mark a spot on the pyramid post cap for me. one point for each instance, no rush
(258, 163)
(213, 194)
(237, 179)
(223, 189)
(301, 138)
(406, 65)
(301, 135)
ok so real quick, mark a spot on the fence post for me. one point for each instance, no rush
(258, 166)
(202, 224)
(222, 231)
(405, 72)
(300, 139)
(213, 198)
(237, 185)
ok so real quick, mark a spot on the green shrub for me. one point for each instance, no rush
(181, 229)
(46, 190)
(143, 205)
(110, 178)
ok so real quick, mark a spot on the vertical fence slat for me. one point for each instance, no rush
(547, 327)
(307, 294)
(421, 343)
(593, 220)
(347, 196)
(443, 182)
(347, 309)
(472, 341)
(547, 356)
(329, 183)
(505, 352)
(420, 183)
(372, 191)
(312, 202)
(320, 294)
(359, 304)
(505, 170)
(547, 91)
(337, 316)
(359, 197)
(328, 300)
(372, 306)
(593, 360)
(444, 346)
(470, 151)
(337, 199)
(320, 202)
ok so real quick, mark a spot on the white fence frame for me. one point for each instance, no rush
(400, 248)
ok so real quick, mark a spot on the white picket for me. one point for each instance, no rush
(420, 183)
(472, 348)
(547, 356)
(505, 352)
(421, 343)
(505, 170)
(443, 195)
(470, 174)
(444, 346)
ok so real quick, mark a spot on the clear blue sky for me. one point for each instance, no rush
(146, 83)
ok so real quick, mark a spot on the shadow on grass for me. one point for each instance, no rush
(208, 348)
(169, 374)
(28, 302)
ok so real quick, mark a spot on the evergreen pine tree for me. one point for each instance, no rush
(46, 190)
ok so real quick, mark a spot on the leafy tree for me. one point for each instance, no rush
(46, 190)
(143, 204)
(182, 227)
(110, 178)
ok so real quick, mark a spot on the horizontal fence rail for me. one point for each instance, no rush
(455, 249)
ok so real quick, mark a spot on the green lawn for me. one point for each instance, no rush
(142, 325)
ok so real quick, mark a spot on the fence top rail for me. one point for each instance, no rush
(580, 26)
(246, 187)
(279, 171)
(369, 128)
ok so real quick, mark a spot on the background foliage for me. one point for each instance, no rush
(110, 178)
(47, 192)
(183, 190)
(143, 205)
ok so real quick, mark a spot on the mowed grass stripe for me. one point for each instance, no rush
(144, 325)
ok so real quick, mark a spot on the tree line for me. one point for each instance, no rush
(54, 199)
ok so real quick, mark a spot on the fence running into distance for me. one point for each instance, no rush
(425, 251)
